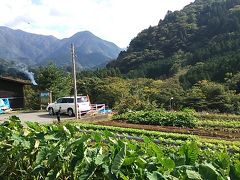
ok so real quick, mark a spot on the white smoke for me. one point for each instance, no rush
(30, 76)
(23, 68)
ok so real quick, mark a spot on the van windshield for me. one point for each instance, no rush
(82, 99)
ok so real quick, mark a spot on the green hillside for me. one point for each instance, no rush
(203, 39)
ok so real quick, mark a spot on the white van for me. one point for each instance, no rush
(66, 105)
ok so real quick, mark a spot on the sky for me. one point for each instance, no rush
(118, 21)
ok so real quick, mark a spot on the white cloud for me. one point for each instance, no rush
(114, 20)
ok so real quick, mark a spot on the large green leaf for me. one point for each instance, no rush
(235, 170)
(130, 160)
(191, 152)
(141, 163)
(208, 171)
(155, 176)
(53, 156)
(67, 131)
(77, 157)
(180, 171)
(39, 168)
(34, 126)
(193, 175)
(168, 164)
(41, 155)
(72, 128)
(96, 136)
(223, 160)
(157, 150)
(52, 174)
(76, 143)
(118, 160)
(87, 172)
(100, 157)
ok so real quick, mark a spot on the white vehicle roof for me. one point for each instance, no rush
(71, 97)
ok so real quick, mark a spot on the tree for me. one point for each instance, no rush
(211, 96)
(169, 89)
(32, 100)
(233, 81)
(112, 90)
(52, 78)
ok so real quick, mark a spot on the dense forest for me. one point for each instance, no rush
(203, 39)
(189, 60)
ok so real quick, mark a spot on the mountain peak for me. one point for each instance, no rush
(34, 49)
(83, 33)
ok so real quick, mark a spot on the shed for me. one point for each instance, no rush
(13, 90)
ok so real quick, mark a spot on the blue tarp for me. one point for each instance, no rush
(105, 111)
(4, 105)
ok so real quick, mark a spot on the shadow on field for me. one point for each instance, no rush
(63, 116)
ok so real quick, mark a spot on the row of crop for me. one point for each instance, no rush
(218, 117)
(63, 152)
(138, 132)
(179, 119)
(162, 118)
(217, 123)
(175, 139)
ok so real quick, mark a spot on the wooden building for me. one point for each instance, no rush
(13, 90)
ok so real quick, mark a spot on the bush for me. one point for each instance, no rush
(163, 118)
(134, 103)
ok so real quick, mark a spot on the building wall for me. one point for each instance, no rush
(13, 91)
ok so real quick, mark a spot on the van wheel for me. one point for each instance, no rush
(50, 111)
(70, 112)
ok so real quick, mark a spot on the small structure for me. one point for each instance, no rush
(45, 98)
(13, 90)
(4, 105)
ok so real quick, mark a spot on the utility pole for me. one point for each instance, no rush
(74, 81)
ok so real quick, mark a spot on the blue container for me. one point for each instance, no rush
(4, 105)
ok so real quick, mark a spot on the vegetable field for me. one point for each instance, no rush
(208, 125)
(82, 151)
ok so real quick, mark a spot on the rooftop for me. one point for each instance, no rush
(19, 81)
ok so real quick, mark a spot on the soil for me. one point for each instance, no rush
(207, 133)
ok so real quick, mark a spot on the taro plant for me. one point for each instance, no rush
(68, 152)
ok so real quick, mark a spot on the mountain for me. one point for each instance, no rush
(25, 47)
(203, 39)
(34, 49)
(90, 50)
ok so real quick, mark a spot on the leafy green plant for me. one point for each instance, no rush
(69, 152)
(164, 118)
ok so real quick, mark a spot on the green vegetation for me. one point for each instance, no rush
(190, 56)
(202, 38)
(53, 79)
(222, 124)
(198, 47)
(67, 152)
(134, 94)
(162, 118)
(189, 60)
(175, 139)
(218, 117)
(49, 78)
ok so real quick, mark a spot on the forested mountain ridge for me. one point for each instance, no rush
(204, 38)
(34, 49)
